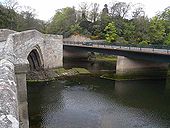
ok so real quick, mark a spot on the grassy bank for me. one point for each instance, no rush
(70, 72)
(54, 74)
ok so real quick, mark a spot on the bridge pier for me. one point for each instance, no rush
(20, 73)
(140, 68)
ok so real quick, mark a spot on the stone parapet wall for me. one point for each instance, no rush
(8, 87)
(8, 96)
(4, 33)
(25, 36)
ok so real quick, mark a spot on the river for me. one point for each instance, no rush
(88, 101)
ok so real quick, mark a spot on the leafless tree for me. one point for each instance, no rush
(94, 12)
(120, 9)
(11, 4)
(84, 9)
(138, 11)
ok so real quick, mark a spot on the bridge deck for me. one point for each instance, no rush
(149, 54)
(123, 48)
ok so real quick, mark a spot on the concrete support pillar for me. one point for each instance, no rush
(20, 71)
(127, 66)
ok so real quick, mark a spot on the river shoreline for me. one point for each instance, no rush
(64, 72)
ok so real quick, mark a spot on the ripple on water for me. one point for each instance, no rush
(80, 106)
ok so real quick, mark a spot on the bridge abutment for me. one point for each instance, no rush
(140, 68)
(20, 73)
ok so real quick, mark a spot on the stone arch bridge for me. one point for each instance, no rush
(20, 51)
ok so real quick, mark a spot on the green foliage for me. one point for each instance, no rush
(110, 30)
(156, 30)
(7, 18)
(129, 31)
(165, 15)
(121, 40)
(62, 21)
(167, 40)
(75, 29)
(141, 29)
(143, 43)
(25, 20)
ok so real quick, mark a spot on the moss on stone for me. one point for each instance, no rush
(60, 71)
(135, 76)
(81, 70)
(70, 72)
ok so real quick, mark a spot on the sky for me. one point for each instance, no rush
(45, 9)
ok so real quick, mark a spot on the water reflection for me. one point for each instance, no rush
(139, 88)
(92, 102)
(93, 66)
(41, 97)
(141, 93)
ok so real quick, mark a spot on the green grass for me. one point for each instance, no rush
(81, 70)
(60, 71)
(73, 71)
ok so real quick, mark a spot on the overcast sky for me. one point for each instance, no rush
(45, 9)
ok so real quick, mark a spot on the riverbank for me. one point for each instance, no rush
(53, 74)
(110, 74)
(58, 73)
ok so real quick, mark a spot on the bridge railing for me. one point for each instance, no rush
(118, 45)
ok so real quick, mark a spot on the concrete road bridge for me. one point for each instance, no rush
(130, 60)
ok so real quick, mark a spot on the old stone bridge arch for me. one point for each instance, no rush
(35, 59)
(21, 51)
(34, 51)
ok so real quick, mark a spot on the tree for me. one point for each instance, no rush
(120, 9)
(28, 15)
(84, 9)
(104, 20)
(105, 10)
(138, 12)
(7, 18)
(62, 21)
(11, 4)
(156, 30)
(165, 15)
(167, 40)
(110, 32)
(75, 29)
(94, 12)
(141, 29)
(129, 31)
(9, 10)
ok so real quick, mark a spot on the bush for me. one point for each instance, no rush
(167, 40)
(121, 41)
(143, 43)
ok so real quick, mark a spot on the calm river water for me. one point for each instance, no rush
(91, 102)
